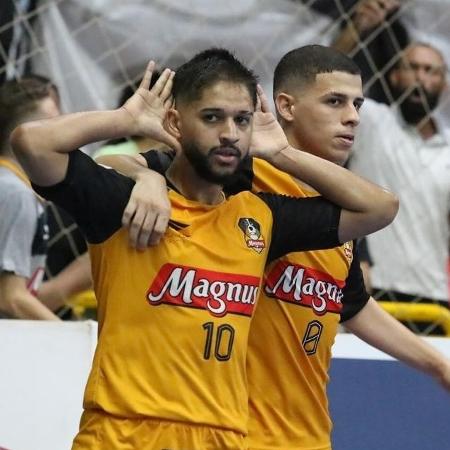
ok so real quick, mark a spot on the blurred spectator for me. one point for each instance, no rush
(24, 230)
(133, 144)
(23, 226)
(373, 34)
(14, 36)
(403, 148)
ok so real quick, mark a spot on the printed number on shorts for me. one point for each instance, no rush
(219, 340)
(312, 337)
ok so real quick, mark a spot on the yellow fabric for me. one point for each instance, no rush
(287, 361)
(82, 302)
(175, 360)
(104, 432)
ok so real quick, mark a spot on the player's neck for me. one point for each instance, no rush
(184, 177)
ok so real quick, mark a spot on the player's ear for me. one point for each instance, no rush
(173, 123)
(285, 106)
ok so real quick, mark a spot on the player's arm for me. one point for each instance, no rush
(16, 301)
(148, 211)
(376, 327)
(74, 278)
(366, 207)
(42, 146)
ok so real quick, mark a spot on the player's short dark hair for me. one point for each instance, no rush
(20, 98)
(207, 68)
(301, 66)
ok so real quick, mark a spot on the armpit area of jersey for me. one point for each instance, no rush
(355, 296)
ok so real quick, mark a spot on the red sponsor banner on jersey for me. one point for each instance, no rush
(219, 293)
(304, 286)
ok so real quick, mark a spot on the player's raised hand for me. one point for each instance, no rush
(148, 107)
(268, 138)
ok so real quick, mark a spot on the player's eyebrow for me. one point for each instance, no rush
(344, 97)
(221, 111)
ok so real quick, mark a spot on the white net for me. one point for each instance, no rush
(93, 49)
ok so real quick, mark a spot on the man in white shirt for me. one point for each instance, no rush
(403, 148)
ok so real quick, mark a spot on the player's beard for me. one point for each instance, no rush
(201, 164)
(414, 112)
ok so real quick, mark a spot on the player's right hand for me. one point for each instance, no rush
(148, 108)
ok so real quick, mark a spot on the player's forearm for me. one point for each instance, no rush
(75, 278)
(130, 166)
(337, 184)
(23, 305)
(71, 131)
(376, 327)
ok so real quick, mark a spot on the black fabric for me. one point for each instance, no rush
(93, 195)
(158, 160)
(301, 224)
(379, 54)
(330, 7)
(66, 241)
(363, 250)
(355, 296)
(9, 22)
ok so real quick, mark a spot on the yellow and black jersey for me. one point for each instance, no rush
(174, 319)
(304, 296)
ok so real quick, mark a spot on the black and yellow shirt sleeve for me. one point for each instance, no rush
(301, 224)
(355, 296)
(93, 195)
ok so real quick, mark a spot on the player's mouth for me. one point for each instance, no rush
(346, 139)
(226, 155)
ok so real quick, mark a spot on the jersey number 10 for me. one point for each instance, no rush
(221, 340)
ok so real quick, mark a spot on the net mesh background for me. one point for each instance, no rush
(93, 49)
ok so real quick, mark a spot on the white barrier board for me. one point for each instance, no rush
(43, 372)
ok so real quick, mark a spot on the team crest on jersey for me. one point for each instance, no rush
(348, 251)
(252, 234)
(195, 287)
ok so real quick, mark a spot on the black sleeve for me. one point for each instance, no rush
(94, 196)
(301, 224)
(159, 160)
(363, 250)
(354, 293)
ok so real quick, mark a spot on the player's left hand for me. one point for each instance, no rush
(268, 138)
